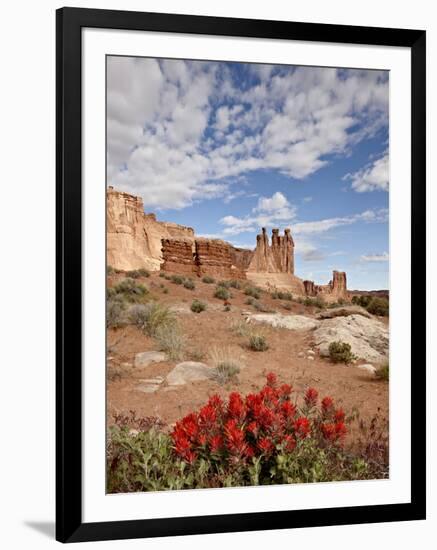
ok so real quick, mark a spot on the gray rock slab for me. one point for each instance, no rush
(188, 371)
(146, 358)
(368, 338)
(290, 322)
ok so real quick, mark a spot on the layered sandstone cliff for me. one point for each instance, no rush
(133, 237)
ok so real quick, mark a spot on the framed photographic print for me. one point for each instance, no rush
(240, 274)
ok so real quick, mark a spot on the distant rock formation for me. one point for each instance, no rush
(277, 258)
(137, 240)
(133, 237)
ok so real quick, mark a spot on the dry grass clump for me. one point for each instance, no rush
(382, 373)
(208, 280)
(222, 293)
(151, 317)
(197, 306)
(129, 290)
(253, 291)
(170, 340)
(258, 342)
(189, 284)
(226, 365)
(115, 312)
(241, 328)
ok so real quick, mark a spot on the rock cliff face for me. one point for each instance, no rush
(138, 240)
(275, 258)
(134, 238)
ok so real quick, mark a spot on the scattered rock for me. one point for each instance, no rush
(368, 367)
(146, 358)
(188, 371)
(311, 352)
(368, 338)
(181, 308)
(278, 320)
(301, 354)
(310, 358)
(343, 311)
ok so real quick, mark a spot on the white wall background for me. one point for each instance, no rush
(27, 225)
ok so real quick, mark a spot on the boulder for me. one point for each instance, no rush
(188, 371)
(278, 320)
(368, 367)
(368, 338)
(146, 358)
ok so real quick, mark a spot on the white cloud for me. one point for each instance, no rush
(384, 257)
(178, 129)
(321, 226)
(373, 177)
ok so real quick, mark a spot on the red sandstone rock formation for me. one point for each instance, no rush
(178, 256)
(134, 238)
(310, 288)
(277, 258)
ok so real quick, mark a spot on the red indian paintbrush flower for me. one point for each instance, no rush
(327, 404)
(311, 396)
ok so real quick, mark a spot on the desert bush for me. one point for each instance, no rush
(197, 306)
(171, 340)
(137, 273)
(197, 355)
(138, 315)
(110, 270)
(162, 274)
(165, 290)
(287, 306)
(259, 306)
(250, 301)
(227, 308)
(177, 279)
(280, 295)
(314, 302)
(222, 293)
(226, 365)
(340, 352)
(241, 328)
(258, 342)
(189, 284)
(115, 313)
(224, 284)
(154, 316)
(208, 280)
(362, 300)
(262, 438)
(382, 373)
(378, 306)
(129, 290)
(253, 292)
(235, 284)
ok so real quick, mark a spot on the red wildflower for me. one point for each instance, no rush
(302, 426)
(236, 406)
(288, 410)
(290, 442)
(272, 379)
(207, 414)
(327, 404)
(311, 396)
(339, 415)
(328, 431)
(285, 390)
(265, 445)
(216, 443)
(216, 402)
(234, 437)
(340, 430)
(253, 428)
(202, 439)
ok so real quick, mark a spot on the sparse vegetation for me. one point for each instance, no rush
(137, 273)
(262, 307)
(129, 290)
(161, 274)
(197, 306)
(252, 291)
(287, 306)
(189, 284)
(258, 342)
(138, 315)
(224, 284)
(170, 340)
(382, 373)
(110, 270)
(227, 308)
(235, 284)
(222, 293)
(378, 306)
(177, 279)
(340, 352)
(226, 365)
(280, 295)
(241, 328)
(115, 312)
(155, 316)
(208, 280)
(314, 302)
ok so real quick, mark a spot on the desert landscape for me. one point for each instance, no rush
(191, 319)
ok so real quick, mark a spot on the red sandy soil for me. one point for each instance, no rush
(349, 386)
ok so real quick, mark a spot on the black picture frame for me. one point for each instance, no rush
(69, 525)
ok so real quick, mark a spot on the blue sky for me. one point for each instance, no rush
(227, 148)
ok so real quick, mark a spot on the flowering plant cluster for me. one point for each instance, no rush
(258, 427)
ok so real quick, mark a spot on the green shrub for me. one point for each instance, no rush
(314, 302)
(138, 315)
(197, 306)
(177, 279)
(222, 293)
(227, 308)
(161, 274)
(130, 290)
(261, 307)
(115, 313)
(287, 306)
(253, 292)
(208, 280)
(250, 301)
(257, 342)
(340, 352)
(280, 295)
(154, 316)
(189, 283)
(235, 284)
(378, 306)
(224, 284)
(165, 290)
(241, 328)
(137, 273)
(362, 300)
(110, 270)
(382, 373)
(171, 340)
